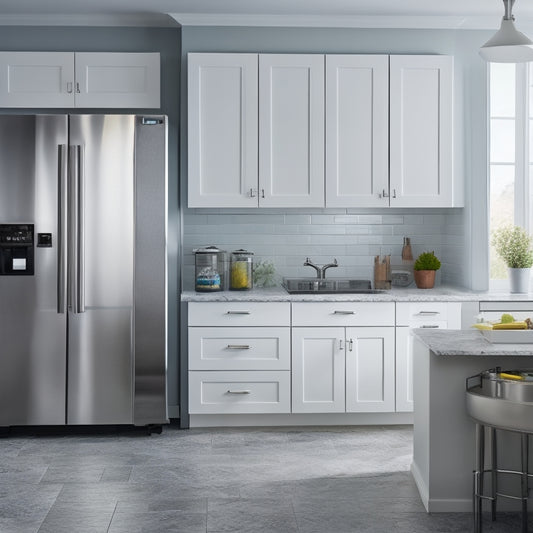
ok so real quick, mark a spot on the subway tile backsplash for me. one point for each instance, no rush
(352, 236)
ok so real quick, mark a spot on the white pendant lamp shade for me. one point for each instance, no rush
(508, 45)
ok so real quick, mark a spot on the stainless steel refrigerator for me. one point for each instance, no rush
(83, 269)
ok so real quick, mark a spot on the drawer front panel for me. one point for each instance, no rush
(408, 314)
(239, 392)
(239, 314)
(239, 349)
(343, 314)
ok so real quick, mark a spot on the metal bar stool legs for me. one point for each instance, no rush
(478, 477)
(480, 471)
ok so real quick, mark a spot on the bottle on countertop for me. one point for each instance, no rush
(407, 253)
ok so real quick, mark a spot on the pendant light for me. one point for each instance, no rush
(508, 45)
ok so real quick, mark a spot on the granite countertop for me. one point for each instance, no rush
(467, 342)
(441, 293)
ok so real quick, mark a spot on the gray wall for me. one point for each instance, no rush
(166, 41)
(458, 236)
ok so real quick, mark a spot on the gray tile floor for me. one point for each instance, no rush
(307, 480)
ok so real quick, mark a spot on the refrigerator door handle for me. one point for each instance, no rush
(81, 230)
(77, 231)
(61, 228)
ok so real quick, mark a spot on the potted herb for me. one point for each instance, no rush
(425, 267)
(513, 245)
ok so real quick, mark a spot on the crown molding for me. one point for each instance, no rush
(337, 21)
(143, 20)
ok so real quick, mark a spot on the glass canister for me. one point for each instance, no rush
(241, 270)
(209, 272)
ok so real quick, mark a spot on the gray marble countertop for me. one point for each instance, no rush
(441, 293)
(467, 342)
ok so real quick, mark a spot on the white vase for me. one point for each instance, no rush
(519, 279)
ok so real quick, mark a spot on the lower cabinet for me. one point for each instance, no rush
(337, 370)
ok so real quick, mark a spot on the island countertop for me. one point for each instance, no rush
(467, 342)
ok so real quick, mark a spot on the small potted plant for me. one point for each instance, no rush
(425, 267)
(513, 245)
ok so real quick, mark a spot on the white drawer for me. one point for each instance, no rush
(408, 313)
(239, 314)
(343, 314)
(239, 392)
(239, 348)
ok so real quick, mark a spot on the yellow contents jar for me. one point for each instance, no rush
(241, 270)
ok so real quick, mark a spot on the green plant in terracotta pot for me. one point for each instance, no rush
(424, 269)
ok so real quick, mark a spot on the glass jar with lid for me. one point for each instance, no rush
(241, 270)
(209, 269)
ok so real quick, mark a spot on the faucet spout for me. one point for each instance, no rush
(320, 270)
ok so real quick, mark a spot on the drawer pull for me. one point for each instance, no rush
(427, 313)
(238, 313)
(243, 391)
(344, 312)
(430, 326)
(238, 346)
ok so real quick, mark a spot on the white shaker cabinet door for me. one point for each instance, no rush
(291, 130)
(370, 370)
(117, 80)
(318, 370)
(421, 132)
(36, 79)
(357, 130)
(222, 130)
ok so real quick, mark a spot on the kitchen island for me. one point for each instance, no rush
(443, 447)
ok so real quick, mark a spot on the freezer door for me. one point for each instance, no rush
(32, 326)
(100, 319)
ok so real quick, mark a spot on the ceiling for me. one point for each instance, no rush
(482, 14)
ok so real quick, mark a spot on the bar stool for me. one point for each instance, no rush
(499, 405)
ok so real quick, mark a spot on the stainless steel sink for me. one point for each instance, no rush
(329, 286)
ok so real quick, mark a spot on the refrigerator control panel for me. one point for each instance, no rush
(16, 250)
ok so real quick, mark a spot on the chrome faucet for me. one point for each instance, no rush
(320, 270)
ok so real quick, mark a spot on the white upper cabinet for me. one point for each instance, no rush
(119, 80)
(357, 130)
(68, 79)
(42, 79)
(421, 132)
(255, 130)
(291, 130)
(311, 130)
(222, 126)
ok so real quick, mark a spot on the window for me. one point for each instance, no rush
(511, 171)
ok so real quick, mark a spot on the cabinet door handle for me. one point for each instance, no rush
(427, 326)
(238, 313)
(394, 193)
(78, 87)
(238, 346)
(252, 195)
(350, 343)
(344, 312)
(243, 391)
(340, 345)
(262, 193)
(427, 313)
(69, 87)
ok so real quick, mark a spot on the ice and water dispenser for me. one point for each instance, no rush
(16, 249)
